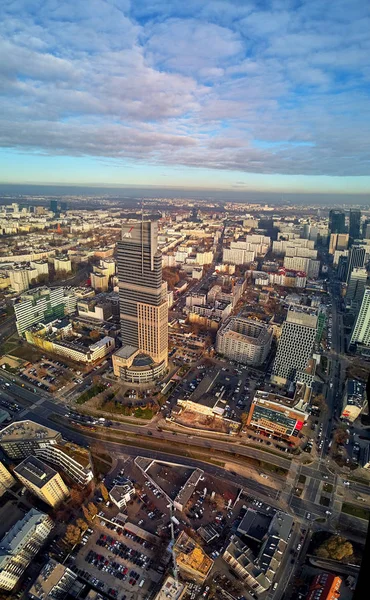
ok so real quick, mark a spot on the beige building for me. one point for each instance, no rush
(171, 589)
(74, 460)
(241, 560)
(20, 545)
(6, 479)
(53, 583)
(191, 560)
(245, 341)
(338, 241)
(99, 281)
(62, 263)
(42, 481)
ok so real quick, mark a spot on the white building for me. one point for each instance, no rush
(62, 263)
(39, 305)
(6, 479)
(244, 340)
(361, 330)
(122, 494)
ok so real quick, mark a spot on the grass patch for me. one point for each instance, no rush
(90, 393)
(102, 464)
(359, 480)
(328, 488)
(273, 468)
(27, 352)
(143, 413)
(302, 479)
(356, 511)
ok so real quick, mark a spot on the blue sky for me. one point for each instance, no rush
(264, 95)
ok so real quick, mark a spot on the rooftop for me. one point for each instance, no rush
(190, 554)
(35, 471)
(299, 317)
(27, 430)
(171, 590)
(18, 535)
(77, 453)
(49, 577)
(126, 351)
(254, 525)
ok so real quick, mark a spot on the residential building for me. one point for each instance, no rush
(325, 586)
(242, 561)
(361, 330)
(337, 221)
(19, 279)
(237, 256)
(356, 258)
(338, 241)
(42, 481)
(20, 545)
(22, 438)
(122, 494)
(6, 479)
(244, 340)
(143, 302)
(275, 544)
(39, 305)
(354, 399)
(192, 561)
(41, 266)
(278, 415)
(53, 583)
(354, 229)
(62, 263)
(74, 460)
(295, 346)
(172, 589)
(99, 281)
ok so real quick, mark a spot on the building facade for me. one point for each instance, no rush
(53, 583)
(20, 545)
(22, 438)
(38, 306)
(245, 341)
(6, 479)
(276, 415)
(361, 330)
(70, 458)
(42, 481)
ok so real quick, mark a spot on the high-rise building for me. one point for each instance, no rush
(337, 221)
(143, 303)
(39, 305)
(6, 479)
(294, 351)
(361, 329)
(42, 481)
(356, 258)
(356, 285)
(20, 545)
(244, 340)
(354, 224)
(338, 241)
(53, 583)
(54, 206)
(22, 438)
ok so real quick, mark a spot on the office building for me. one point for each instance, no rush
(192, 561)
(244, 340)
(54, 206)
(278, 415)
(39, 305)
(6, 479)
(42, 481)
(122, 494)
(172, 589)
(325, 586)
(53, 583)
(356, 258)
(342, 267)
(361, 330)
(354, 224)
(356, 285)
(143, 303)
(240, 559)
(74, 460)
(338, 241)
(20, 545)
(366, 230)
(22, 438)
(295, 347)
(337, 221)
(354, 399)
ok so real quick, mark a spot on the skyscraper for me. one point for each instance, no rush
(337, 221)
(356, 285)
(54, 206)
(356, 258)
(143, 304)
(295, 348)
(361, 329)
(354, 224)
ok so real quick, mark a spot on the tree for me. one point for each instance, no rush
(340, 436)
(94, 334)
(336, 548)
(93, 510)
(87, 514)
(72, 535)
(244, 419)
(77, 497)
(104, 492)
(82, 524)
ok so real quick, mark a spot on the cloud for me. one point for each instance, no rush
(228, 85)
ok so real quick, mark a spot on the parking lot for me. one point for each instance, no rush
(49, 375)
(120, 562)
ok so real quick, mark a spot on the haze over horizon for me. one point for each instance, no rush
(243, 97)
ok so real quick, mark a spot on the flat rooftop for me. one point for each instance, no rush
(301, 318)
(126, 351)
(49, 577)
(254, 525)
(35, 471)
(77, 453)
(27, 430)
(190, 554)
(169, 478)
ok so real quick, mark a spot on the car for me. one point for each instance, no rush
(308, 515)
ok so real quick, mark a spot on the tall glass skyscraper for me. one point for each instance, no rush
(354, 224)
(337, 221)
(143, 296)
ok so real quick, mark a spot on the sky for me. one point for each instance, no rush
(268, 95)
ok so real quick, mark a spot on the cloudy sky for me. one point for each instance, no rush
(238, 94)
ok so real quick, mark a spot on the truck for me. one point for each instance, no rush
(101, 420)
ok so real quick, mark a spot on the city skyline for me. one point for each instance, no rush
(255, 96)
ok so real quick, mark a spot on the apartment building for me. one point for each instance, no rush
(42, 481)
(244, 340)
(74, 460)
(6, 479)
(22, 438)
(53, 583)
(191, 560)
(20, 545)
(240, 559)
(38, 306)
